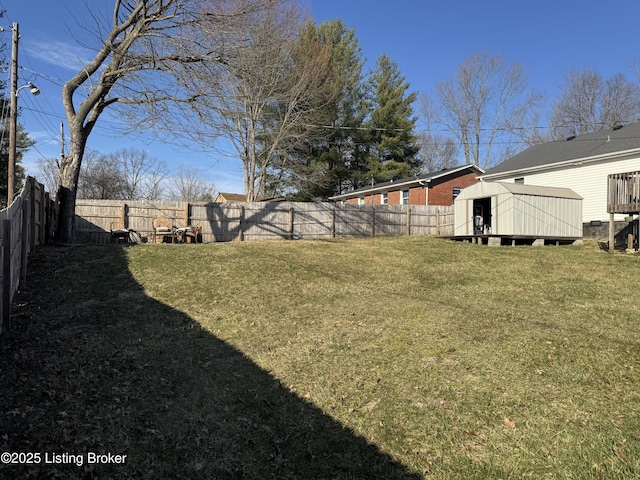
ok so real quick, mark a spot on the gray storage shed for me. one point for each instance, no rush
(518, 211)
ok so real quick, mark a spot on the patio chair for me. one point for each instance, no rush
(119, 232)
(194, 234)
(163, 228)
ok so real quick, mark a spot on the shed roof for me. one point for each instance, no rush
(520, 189)
(592, 145)
(485, 189)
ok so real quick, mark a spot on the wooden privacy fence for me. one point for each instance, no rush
(223, 222)
(26, 223)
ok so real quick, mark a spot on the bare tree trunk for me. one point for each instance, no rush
(138, 52)
(68, 188)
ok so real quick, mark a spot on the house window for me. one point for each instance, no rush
(384, 198)
(519, 180)
(360, 200)
(456, 192)
(405, 197)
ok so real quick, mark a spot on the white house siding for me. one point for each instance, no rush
(587, 180)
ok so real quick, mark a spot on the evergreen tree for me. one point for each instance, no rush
(394, 143)
(23, 143)
(326, 165)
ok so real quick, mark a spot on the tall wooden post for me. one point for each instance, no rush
(373, 220)
(612, 233)
(241, 225)
(123, 216)
(290, 223)
(187, 214)
(13, 115)
(333, 222)
(408, 222)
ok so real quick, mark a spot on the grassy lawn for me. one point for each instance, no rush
(374, 358)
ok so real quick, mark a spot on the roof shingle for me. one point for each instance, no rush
(584, 146)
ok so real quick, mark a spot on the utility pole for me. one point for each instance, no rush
(13, 115)
(61, 142)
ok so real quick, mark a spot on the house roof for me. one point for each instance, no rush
(591, 146)
(406, 182)
(242, 197)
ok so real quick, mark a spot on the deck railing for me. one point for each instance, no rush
(624, 193)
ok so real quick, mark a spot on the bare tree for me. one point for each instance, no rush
(264, 98)
(143, 174)
(483, 105)
(101, 178)
(189, 185)
(437, 152)
(139, 51)
(49, 173)
(589, 103)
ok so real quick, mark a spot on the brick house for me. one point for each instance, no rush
(436, 188)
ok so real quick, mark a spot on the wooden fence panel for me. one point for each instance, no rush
(312, 220)
(224, 222)
(353, 221)
(26, 223)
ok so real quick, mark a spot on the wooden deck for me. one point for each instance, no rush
(624, 193)
(623, 198)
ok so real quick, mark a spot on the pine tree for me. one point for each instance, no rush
(394, 144)
(327, 164)
(23, 143)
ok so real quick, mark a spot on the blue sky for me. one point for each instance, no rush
(428, 39)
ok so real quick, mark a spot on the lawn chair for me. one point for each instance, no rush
(194, 234)
(191, 234)
(162, 228)
(119, 232)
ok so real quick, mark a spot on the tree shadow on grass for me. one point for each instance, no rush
(93, 364)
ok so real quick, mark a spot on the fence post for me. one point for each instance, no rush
(187, 207)
(241, 225)
(33, 240)
(24, 241)
(408, 224)
(438, 221)
(290, 223)
(373, 221)
(333, 222)
(42, 236)
(48, 217)
(123, 215)
(6, 275)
